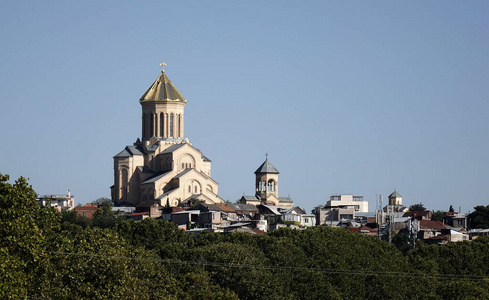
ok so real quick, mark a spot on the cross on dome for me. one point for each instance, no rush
(163, 64)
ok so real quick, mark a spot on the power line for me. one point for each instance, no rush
(283, 268)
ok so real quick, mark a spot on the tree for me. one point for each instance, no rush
(104, 217)
(417, 207)
(316, 210)
(438, 215)
(103, 202)
(479, 218)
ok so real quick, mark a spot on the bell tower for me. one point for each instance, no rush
(163, 110)
(266, 184)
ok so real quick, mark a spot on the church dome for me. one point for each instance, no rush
(162, 90)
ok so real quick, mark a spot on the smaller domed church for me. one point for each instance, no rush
(266, 188)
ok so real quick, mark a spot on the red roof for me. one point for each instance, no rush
(428, 224)
(363, 228)
(225, 207)
(140, 213)
(87, 207)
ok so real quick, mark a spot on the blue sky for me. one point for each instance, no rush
(347, 97)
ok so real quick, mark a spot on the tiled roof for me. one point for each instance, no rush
(435, 225)
(225, 207)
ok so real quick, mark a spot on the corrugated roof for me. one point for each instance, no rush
(266, 167)
(162, 90)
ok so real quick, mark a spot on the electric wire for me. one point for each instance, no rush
(359, 272)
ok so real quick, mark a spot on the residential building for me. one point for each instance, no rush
(87, 210)
(341, 208)
(60, 202)
(355, 202)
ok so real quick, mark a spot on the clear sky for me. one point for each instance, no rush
(346, 97)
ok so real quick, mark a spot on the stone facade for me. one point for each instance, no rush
(162, 166)
(266, 188)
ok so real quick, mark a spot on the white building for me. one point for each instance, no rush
(348, 201)
(60, 202)
(341, 208)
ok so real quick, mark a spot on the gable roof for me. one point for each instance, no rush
(129, 151)
(435, 225)
(266, 167)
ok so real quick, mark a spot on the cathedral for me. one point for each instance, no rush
(162, 166)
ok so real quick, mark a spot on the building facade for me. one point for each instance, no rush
(162, 166)
(60, 202)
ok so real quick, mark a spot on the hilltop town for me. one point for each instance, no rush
(163, 176)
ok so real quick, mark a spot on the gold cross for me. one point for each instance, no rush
(163, 66)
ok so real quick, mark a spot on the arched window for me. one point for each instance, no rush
(171, 125)
(124, 182)
(162, 126)
(144, 125)
(179, 126)
(151, 125)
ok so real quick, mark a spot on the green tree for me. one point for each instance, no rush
(104, 217)
(417, 207)
(479, 218)
(103, 201)
(438, 215)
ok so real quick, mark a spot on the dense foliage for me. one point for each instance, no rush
(46, 255)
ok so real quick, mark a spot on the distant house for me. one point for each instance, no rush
(456, 220)
(341, 209)
(185, 217)
(139, 216)
(60, 202)
(429, 229)
(447, 235)
(419, 215)
(297, 216)
(245, 212)
(87, 210)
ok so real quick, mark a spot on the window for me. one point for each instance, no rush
(171, 125)
(162, 126)
(151, 125)
(196, 189)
